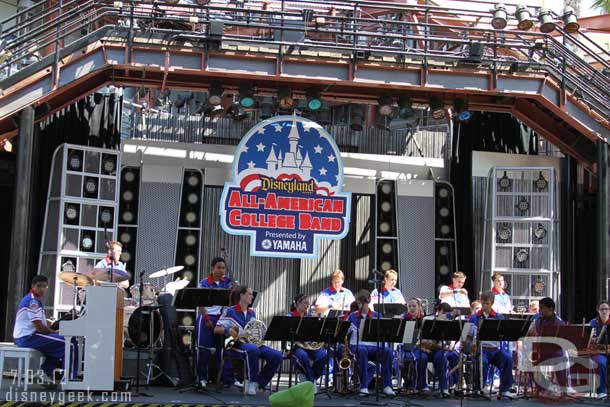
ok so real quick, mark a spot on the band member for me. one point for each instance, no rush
(389, 293)
(112, 260)
(502, 302)
(207, 317)
(300, 356)
(455, 294)
(601, 327)
(368, 350)
(336, 296)
(232, 322)
(533, 308)
(415, 313)
(31, 330)
(492, 351)
(475, 307)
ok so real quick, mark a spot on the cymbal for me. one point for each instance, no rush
(78, 279)
(173, 286)
(101, 274)
(165, 272)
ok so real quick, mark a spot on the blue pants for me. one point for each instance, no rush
(439, 361)
(420, 361)
(453, 359)
(602, 366)
(301, 358)
(504, 362)
(52, 346)
(206, 342)
(252, 354)
(366, 352)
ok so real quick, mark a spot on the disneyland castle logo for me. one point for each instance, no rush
(286, 190)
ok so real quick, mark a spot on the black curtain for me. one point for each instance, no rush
(7, 191)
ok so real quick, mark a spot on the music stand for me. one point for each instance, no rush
(332, 331)
(390, 330)
(391, 310)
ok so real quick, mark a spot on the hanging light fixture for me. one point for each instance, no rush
(215, 95)
(547, 25)
(405, 106)
(524, 18)
(570, 22)
(505, 183)
(500, 17)
(385, 105)
(437, 109)
(246, 96)
(285, 100)
(460, 108)
(314, 100)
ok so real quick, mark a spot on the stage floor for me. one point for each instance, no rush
(12, 396)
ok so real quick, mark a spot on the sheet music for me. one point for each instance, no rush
(408, 336)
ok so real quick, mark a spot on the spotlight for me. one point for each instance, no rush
(405, 107)
(443, 270)
(386, 206)
(267, 108)
(386, 248)
(505, 183)
(570, 22)
(109, 164)
(541, 183)
(284, 98)
(71, 212)
(246, 96)
(436, 108)
(87, 242)
(460, 108)
(386, 265)
(106, 216)
(522, 255)
(314, 100)
(384, 227)
(356, 117)
(500, 16)
(445, 230)
(547, 25)
(385, 105)
(187, 320)
(443, 250)
(523, 205)
(524, 18)
(444, 212)
(91, 185)
(215, 95)
(504, 234)
(540, 232)
(443, 193)
(75, 162)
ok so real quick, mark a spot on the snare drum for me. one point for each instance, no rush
(149, 294)
(145, 323)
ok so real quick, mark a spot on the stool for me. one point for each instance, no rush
(23, 356)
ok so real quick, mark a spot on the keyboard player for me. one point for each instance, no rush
(31, 330)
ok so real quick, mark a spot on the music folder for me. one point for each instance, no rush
(390, 310)
(510, 330)
(306, 329)
(189, 298)
(382, 329)
(441, 329)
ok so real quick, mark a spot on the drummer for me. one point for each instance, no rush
(206, 321)
(112, 260)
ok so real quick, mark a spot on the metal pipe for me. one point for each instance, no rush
(602, 219)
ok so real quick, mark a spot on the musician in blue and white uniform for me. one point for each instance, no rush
(31, 330)
(335, 297)
(207, 317)
(365, 351)
(502, 301)
(415, 312)
(389, 293)
(601, 328)
(455, 294)
(112, 260)
(492, 350)
(232, 322)
(302, 357)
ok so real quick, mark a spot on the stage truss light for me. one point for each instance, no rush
(437, 110)
(504, 182)
(522, 255)
(523, 205)
(504, 234)
(267, 108)
(547, 23)
(75, 162)
(127, 216)
(524, 18)
(541, 183)
(570, 22)
(125, 256)
(500, 17)
(87, 243)
(215, 95)
(106, 216)
(91, 185)
(285, 100)
(460, 108)
(385, 105)
(246, 96)
(191, 217)
(540, 232)
(405, 107)
(193, 181)
(314, 100)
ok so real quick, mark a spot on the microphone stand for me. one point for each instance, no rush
(377, 280)
(111, 255)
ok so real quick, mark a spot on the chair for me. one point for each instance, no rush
(24, 357)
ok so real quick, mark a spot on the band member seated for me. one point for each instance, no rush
(368, 350)
(455, 294)
(475, 307)
(415, 313)
(232, 322)
(112, 260)
(31, 330)
(533, 307)
(502, 302)
(207, 317)
(492, 351)
(336, 296)
(302, 356)
(389, 293)
(601, 326)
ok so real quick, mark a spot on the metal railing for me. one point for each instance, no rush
(412, 34)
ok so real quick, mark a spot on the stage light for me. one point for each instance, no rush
(384, 227)
(356, 117)
(109, 165)
(460, 109)
(540, 232)
(87, 242)
(524, 18)
(541, 183)
(523, 205)
(499, 20)
(91, 185)
(437, 110)
(75, 162)
(386, 265)
(189, 259)
(284, 98)
(186, 339)
(267, 108)
(385, 105)
(443, 270)
(386, 206)
(125, 237)
(71, 212)
(129, 176)
(570, 22)
(547, 25)
(246, 96)
(191, 217)
(187, 320)
(238, 112)
(386, 248)
(127, 196)
(215, 95)
(314, 100)
(190, 240)
(405, 107)
(106, 216)
(522, 255)
(187, 275)
(445, 230)
(505, 183)
(504, 234)
(443, 192)
(444, 212)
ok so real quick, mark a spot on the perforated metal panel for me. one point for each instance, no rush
(416, 246)
(157, 227)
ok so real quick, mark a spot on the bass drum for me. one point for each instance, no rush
(145, 324)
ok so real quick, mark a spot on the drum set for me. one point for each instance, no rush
(142, 322)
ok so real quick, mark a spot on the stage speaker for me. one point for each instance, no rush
(444, 233)
(189, 228)
(128, 216)
(386, 231)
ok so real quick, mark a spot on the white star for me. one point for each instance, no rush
(308, 125)
(318, 149)
(246, 149)
(337, 177)
(322, 171)
(251, 164)
(261, 130)
(260, 146)
(331, 158)
(278, 127)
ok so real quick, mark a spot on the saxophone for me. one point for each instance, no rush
(342, 378)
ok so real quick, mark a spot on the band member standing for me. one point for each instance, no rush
(232, 322)
(455, 294)
(601, 325)
(389, 293)
(207, 317)
(502, 302)
(300, 356)
(336, 296)
(492, 351)
(113, 261)
(31, 330)
(368, 350)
